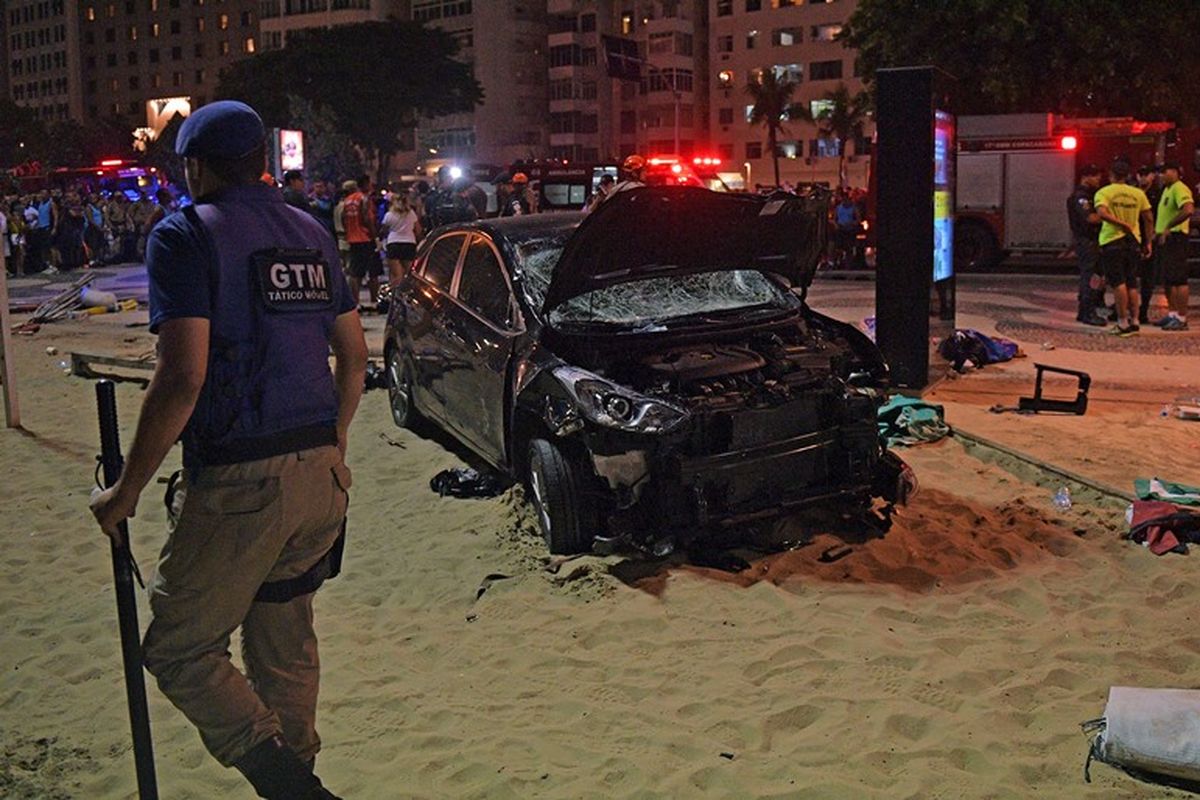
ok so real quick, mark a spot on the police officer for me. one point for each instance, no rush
(1085, 230)
(448, 202)
(246, 298)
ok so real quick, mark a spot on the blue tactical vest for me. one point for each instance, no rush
(276, 287)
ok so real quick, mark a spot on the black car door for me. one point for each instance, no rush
(434, 352)
(483, 325)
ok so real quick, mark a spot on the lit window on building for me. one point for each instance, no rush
(725, 78)
(786, 37)
(820, 108)
(751, 40)
(248, 45)
(789, 72)
(825, 33)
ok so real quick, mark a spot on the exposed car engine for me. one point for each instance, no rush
(763, 371)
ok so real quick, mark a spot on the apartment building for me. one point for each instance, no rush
(504, 41)
(41, 62)
(143, 60)
(279, 18)
(795, 39)
(593, 116)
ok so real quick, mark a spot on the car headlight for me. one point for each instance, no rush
(613, 406)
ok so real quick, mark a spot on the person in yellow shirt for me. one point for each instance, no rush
(1126, 224)
(1175, 209)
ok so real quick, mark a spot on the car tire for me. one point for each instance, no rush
(563, 507)
(400, 392)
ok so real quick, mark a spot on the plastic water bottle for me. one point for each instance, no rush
(1062, 499)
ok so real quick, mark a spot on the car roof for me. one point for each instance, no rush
(526, 227)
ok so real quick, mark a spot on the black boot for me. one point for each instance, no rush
(276, 773)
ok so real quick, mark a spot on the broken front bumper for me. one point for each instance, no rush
(677, 489)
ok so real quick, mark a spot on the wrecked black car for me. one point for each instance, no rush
(647, 371)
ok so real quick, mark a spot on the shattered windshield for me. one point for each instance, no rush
(647, 301)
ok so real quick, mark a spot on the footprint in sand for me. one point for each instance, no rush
(788, 723)
(906, 727)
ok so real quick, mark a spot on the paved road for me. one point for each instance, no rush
(124, 280)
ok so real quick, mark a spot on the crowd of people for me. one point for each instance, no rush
(64, 230)
(1131, 236)
(373, 225)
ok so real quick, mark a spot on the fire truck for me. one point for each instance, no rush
(1015, 172)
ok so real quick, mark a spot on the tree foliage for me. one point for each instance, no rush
(160, 153)
(328, 153)
(842, 117)
(377, 79)
(1100, 58)
(773, 106)
(24, 136)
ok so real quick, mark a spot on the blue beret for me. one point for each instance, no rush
(225, 129)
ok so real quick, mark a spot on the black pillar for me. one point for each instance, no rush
(914, 162)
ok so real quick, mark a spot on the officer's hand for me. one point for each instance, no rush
(1161, 239)
(1147, 250)
(111, 507)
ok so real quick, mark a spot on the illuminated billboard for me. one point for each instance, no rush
(943, 195)
(291, 150)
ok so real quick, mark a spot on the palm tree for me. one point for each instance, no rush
(842, 116)
(772, 106)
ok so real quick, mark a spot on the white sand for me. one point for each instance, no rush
(954, 658)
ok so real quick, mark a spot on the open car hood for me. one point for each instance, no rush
(658, 231)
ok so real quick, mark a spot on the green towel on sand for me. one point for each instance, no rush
(909, 420)
(1177, 493)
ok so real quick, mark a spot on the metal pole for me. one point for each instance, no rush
(8, 370)
(122, 559)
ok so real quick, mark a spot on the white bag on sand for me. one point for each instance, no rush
(94, 298)
(1153, 731)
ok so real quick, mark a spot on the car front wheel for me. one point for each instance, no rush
(563, 507)
(400, 394)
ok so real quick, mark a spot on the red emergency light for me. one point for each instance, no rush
(676, 168)
(112, 162)
(1068, 143)
(707, 161)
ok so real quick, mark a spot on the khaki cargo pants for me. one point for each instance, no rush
(235, 527)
